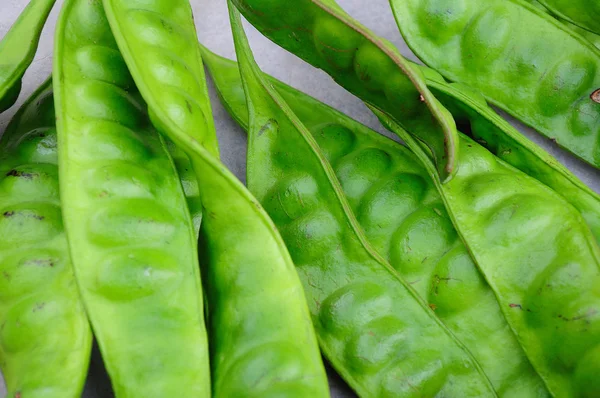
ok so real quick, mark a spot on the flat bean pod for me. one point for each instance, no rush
(162, 34)
(520, 58)
(18, 47)
(130, 233)
(403, 217)
(499, 137)
(583, 13)
(324, 35)
(45, 338)
(371, 324)
(262, 339)
(539, 257)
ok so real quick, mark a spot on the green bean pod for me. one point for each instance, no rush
(538, 255)
(170, 59)
(324, 35)
(583, 13)
(371, 324)
(499, 137)
(45, 338)
(130, 233)
(173, 62)
(18, 47)
(403, 217)
(520, 58)
(262, 339)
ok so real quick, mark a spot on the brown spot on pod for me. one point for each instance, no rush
(595, 96)
(271, 124)
(17, 173)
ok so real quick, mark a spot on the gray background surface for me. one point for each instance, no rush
(213, 30)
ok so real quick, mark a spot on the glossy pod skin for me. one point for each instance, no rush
(45, 339)
(173, 61)
(262, 340)
(539, 257)
(324, 35)
(403, 217)
(371, 324)
(130, 233)
(520, 58)
(583, 13)
(499, 137)
(162, 35)
(18, 47)
(590, 36)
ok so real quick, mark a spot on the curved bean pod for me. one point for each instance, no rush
(130, 233)
(18, 47)
(165, 33)
(520, 58)
(499, 137)
(263, 342)
(370, 323)
(539, 257)
(45, 338)
(583, 13)
(403, 217)
(324, 35)
(171, 59)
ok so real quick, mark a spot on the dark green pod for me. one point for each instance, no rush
(538, 255)
(371, 324)
(499, 137)
(519, 57)
(403, 217)
(324, 35)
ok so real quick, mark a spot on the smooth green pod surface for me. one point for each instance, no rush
(583, 13)
(324, 35)
(45, 338)
(166, 32)
(539, 257)
(403, 217)
(590, 36)
(520, 58)
(130, 233)
(18, 47)
(262, 339)
(499, 137)
(371, 325)
(168, 65)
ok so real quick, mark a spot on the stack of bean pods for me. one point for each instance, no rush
(464, 263)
